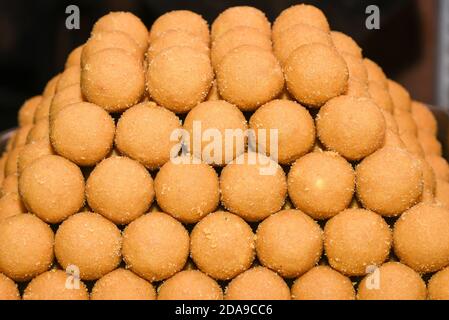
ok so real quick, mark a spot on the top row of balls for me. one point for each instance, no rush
(116, 74)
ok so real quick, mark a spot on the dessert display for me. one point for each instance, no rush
(245, 160)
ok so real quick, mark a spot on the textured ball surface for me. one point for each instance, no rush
(253, 186)
(389, 181)
(289, 242)
(323, 283)
(321, 184)
(316, 73)
(249, 76)
(353, 127)
(222, 245)
(187, 191)
(52, 285)
(396, 282)
(190, 285)
(26, 247)
(169, 243)
(421, 237)
(52, 188)
(120, 189)
(356, 239)
(122, 284)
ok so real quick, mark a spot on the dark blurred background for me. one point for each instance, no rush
(34, 42)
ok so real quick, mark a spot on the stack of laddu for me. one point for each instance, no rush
(358, 182)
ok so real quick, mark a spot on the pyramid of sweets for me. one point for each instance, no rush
(247, 160)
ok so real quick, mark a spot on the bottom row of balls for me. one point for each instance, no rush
(155, 248)
(395, 281)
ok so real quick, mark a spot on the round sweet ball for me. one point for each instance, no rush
(401, 97)
(27, 110)
(381, 96)
(110, 39)
(52, 188)
(122, 284)
(356, 239)
(375, 73)
(65, 98)
(144, 133)
(405, 123)
(253, 186)
(120, 189)
(442, 192)
(323, 283)
(345, 44)
(301, 13)
(295, 130)
(439, 166)
(11, 205)
(8, 289)
(235, 37)
(258, 283)
(298, 35)
(321, 184)
(316, 73)
(240, 16)
(83, 133)
(43, 109)
(160, 232)
(289, 242)
(113, 79)
(389, 181)
(179, 78)
(421, 237)
(392, 281)
(176, 37)
(249, 76)
(74, 58)
(26, 247)
(190, 285)
(89, 242)
(424, 118)
(353, 127)
(412, 144)
(55, 285)
(187, 189)
(215, 117)
(68, 78)
(184, 20)
(125, 22)
(429, 143)
(222, 245)
(438, 286)
(32, 152)
(40, 131)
